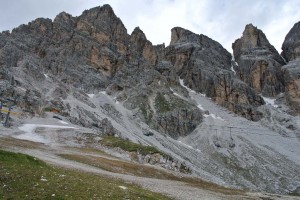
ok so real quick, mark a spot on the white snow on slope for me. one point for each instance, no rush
(245, 144)
(91, 95)
(205, 158)
(232, 69)
(270, 101)
(176, 94)
(214, 116)
(200, 107)
(63, 122)
(185, 144)
(32, 136)
(188, 89)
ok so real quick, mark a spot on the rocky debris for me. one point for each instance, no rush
(280, 122)
(93, 51)
(259, 64)
(205, 66)
(160, 160)
(106, 127)
(65, 66)
(146, 92)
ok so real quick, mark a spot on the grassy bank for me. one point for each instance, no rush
(127, 145)
(25, 177)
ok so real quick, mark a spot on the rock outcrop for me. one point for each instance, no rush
(259, 64)
(91, 72)
(205, 66)
(291, 52)
(291, 45)
(93, 52)
(140, 44)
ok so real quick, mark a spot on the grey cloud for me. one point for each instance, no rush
(222, 20)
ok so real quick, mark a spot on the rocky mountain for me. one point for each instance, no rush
(259, 64)
(200, 106)
(291, 71)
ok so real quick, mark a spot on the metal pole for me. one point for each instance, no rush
(7, 117)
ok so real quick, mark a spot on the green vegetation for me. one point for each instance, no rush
(127, 145)
(51, 109)
(119, 166)
(25, 177)
(147, 112)
(123, 167)
(161, 103)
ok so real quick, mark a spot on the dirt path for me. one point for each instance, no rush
(174, 189)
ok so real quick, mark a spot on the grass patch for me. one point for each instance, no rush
(126, 145)
(123, 167)
(25, 177)
(161, 103)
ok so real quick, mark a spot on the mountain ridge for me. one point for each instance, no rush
(94, 74)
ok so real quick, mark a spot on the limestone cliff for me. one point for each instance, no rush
(259, 64)
(291, 52)
(205, 66)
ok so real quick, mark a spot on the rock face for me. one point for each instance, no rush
(259, 64)
(93, 52)
(291, 52)
(91, 72)
(205, 66)
(140, 44)
(291, 44)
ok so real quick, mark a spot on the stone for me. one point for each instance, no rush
(291, 45)
(259, 64)
(291, 71)
(205, 66)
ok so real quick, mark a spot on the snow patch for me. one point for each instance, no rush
(200, 107)
(62, 122)
(185, 144)
(103, 92)
(30, 135)
(46, 75)
(188, 89)
(270, 101)
(91, 95)
(116, 101)
(214, 116)
(176, 94)
(232, 69)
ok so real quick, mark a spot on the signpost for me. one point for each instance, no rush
(10, 104)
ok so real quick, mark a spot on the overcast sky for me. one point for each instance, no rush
(221, 20)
